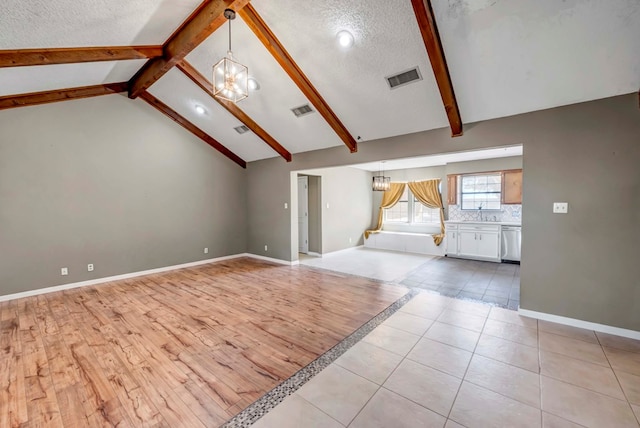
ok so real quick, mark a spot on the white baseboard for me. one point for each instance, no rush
(314, 254)
(115, 278)
(602, 328)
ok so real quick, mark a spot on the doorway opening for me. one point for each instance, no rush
(309, 215)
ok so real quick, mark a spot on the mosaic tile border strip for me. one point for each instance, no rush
(262, 406)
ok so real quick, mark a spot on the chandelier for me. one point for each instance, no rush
(380, 182)
(230, 78)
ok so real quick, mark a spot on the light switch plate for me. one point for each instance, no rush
(560, 207)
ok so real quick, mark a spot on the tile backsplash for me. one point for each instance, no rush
(508, 213)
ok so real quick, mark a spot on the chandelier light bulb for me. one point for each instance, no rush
(253, 84)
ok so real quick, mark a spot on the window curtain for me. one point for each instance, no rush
(428, 193)
(389, 199)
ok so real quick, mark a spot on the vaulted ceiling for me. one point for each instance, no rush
(504, 57)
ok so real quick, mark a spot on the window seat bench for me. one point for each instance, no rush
(408, 242)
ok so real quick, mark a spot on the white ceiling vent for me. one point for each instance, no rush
(404, 78)
(302, 110)
(241, 129)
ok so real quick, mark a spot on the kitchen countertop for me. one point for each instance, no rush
(502, 223)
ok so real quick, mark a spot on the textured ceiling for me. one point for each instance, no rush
(28, 24)
(182, 95)
(20, 80)
(513, 56)
(271, 105)
(387, 41)
(505, 57)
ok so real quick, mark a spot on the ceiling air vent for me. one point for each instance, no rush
(302, 110)
(404, 78)
(241, 129)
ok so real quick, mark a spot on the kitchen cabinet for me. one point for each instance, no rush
(452, 190)
(512, 186)
(451, 233)
(476, 241)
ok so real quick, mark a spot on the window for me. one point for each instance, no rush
(481, 191)
(399, 213)
(410, 211)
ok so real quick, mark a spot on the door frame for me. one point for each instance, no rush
(303, 214)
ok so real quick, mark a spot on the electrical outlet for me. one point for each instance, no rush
(560, 207)
(349, 240)
(90, 267)
(64, 271)
(265, 248)
(286, 205)
(327, 206)
(206, 250)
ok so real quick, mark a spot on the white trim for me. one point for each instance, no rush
(114, 278)
(581, 324)
(270, 259)
(314, 254)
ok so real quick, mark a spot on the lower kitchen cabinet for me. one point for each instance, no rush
(482, 245)
(451, 239)
(474, 241)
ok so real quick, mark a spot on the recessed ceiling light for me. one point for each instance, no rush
(200, 109)
(253, 84)
(345, 39)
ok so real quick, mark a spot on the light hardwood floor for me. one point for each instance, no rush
(191, 347)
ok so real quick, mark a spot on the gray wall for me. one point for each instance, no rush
(109, 181)
(584, 264)
(581, 265)
(346, 190)
(345, 204)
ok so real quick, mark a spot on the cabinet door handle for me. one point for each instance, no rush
(481, 236)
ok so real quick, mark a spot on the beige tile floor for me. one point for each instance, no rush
(441, 362)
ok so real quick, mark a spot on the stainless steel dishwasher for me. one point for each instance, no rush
(511, 241)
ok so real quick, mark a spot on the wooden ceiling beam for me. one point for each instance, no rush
(197, 78)
(200, 25)
(182, 121)
(28, 57)
(433, 44)
(277, 50)
(45, 97)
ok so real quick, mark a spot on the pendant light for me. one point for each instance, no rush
(230, 78)
(380, 182)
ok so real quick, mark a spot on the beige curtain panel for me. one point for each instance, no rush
(428, 193)
(389, 199)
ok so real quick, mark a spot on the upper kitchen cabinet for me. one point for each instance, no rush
(512, 186)
(452, 189)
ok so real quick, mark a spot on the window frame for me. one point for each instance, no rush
(410, 223)
(461, 191)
